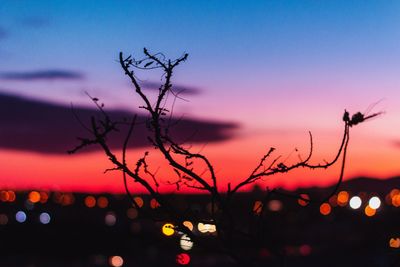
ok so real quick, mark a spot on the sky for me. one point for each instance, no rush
(260, 74)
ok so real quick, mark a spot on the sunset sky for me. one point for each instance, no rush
(259, 74)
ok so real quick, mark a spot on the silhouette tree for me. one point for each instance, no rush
(194, 170)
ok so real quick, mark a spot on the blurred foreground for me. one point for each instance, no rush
(360, 226)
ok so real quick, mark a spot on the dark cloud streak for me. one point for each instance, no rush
(42, 75)
(43, 127)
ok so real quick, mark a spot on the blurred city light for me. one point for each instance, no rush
(4, 196)
(369, 211)
(374, 202)
(102, 202)
(139, 201)
(132, 213)
(66, 199)
(11, 196)
(183, 259)
(34, 197)
(116, 261)
(275, 205)
(355, 202)
(20, 216)
(305, 250)
(154, 203)
(396, 200)
(394, 242)
(44, 218)
(257, 207)
(3, 219)
(343, 198)
(90, 201)
(110, 219)
(44, 196)
(189, 225)
(206, 228)
(168, 229)
(333, 201)
(325, 209)
(303, 200)
(186, 243)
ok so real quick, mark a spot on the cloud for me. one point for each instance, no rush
(178, 89)
(42, 75)
(44, 127)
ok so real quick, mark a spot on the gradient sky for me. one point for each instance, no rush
(259, 74)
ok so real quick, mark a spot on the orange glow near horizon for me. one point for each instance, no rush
(84, 172)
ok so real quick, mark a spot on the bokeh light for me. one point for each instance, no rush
(303, 201)
(34, 196)
(139, 201)
(275, 205)
(394, 242)
(186, 243)
(154, 203)
(102, 202)
(116, 261)
(333, 201)
(11, 196)
(132, 213)
(396, 200)
(394, 192)
(305, 250)
(189, 225)
(66, 199)
(257, 207)
(44, 196)
(7, 196)
(20, 216)
(183, 259)
(168, 229)
(110, 219)
(90, 201)
(374, 202)
(206, 228)
(355, 202)
(343, 198)
(4, 196)
(44, 218)
(369, 211)
(325, 209)
(3, 219)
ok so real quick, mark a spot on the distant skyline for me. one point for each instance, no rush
(259, 74)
